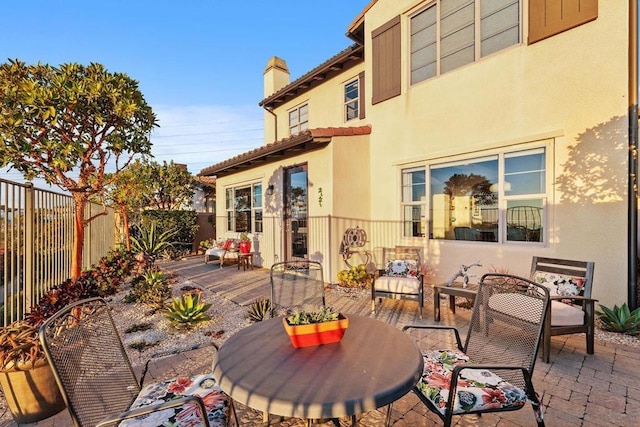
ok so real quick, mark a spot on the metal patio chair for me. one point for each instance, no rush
(492, 371)
(296, 284)
(99, 386)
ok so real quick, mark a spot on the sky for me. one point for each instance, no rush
(199, 63)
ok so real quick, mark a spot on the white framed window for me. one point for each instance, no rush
(351, 100)
(244, 208)
(299, 119)
(414, 194)
(451, 33)
(496, 198)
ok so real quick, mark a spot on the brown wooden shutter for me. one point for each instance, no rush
(386, 61)
(361, 97)
(550, 17)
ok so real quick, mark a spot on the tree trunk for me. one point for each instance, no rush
(80, 204)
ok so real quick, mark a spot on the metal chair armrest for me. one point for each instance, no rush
(109, 420)
(439, 327)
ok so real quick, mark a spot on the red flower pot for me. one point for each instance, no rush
(245, 247)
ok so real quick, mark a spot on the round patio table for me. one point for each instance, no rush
(374, 365)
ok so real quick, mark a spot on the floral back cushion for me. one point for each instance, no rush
(559, 284)
(228, 244)
(402, 268)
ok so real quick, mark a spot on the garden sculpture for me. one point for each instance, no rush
(463, 272)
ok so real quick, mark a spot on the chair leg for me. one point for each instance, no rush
(546, 346)
(590, 342)
(387, 421)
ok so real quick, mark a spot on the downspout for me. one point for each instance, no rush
(275, 122)
(632, 254)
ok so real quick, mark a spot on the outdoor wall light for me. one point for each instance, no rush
(269, 191)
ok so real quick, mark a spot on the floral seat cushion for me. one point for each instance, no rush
(204, 386)
(478, 389)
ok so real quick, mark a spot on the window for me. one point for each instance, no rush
(452, 33)
(467, 198)
(351, 101)
(385, 53)
(414, 195)
(547, 18)
(244, 208)
(299, 119)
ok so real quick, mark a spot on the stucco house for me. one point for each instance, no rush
(474, 130)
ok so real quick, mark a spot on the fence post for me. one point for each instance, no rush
(29, 245)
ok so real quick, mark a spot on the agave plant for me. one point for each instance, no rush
(620, 319)
(187, 311)
(260, 309)
(151, 242)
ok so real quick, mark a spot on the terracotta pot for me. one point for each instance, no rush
(245, 247)
(31, 392)
(316, 333)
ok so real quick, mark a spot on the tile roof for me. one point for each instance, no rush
(307, 140)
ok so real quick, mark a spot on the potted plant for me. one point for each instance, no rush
(309, 328)
(25, 375)
(245, 243)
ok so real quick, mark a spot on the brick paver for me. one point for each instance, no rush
(579, 389)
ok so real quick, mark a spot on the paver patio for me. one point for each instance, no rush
(579, 389)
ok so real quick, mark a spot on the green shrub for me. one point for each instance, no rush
(355, 277)
(183, 223)
(187, 311)
(260, 309)
(620, 319)
(151, 288)
(151, 240)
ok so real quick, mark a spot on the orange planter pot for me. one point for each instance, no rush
(317, 333)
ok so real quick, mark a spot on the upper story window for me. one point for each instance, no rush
(351, 101)
(500, 198)
(244, 208)
(452, 33)
(299, 119)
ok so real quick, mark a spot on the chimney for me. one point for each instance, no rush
(276, 76)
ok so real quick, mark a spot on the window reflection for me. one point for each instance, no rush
(464, 203)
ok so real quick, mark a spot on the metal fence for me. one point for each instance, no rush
(36, 235)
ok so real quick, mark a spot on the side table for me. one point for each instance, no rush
(455, 290)
(246, 260)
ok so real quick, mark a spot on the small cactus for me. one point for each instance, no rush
(187, 311)
(260, 309)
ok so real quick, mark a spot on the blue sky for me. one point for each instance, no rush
(200, 63)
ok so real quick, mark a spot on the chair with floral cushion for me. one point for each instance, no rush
(400, 278)
(493, 370)
(99, 386)
(572, 308)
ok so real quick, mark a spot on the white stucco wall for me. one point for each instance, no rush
(568, 92)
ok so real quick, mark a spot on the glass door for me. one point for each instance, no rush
(295, 215)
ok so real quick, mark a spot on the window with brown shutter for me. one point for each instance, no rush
(385, 45)
(550, 17)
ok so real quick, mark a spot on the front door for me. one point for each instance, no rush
(295, 215)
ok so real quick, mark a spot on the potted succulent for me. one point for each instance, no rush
(25, 375)
(309, 328)
(245, 243)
